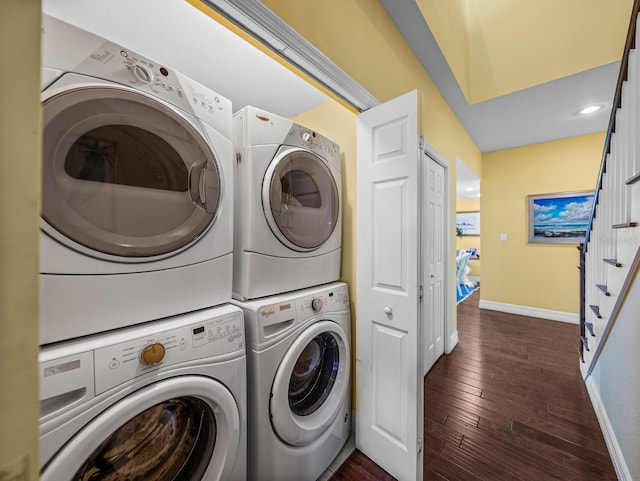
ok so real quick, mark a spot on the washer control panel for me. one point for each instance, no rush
(118, 363)
(328, 301)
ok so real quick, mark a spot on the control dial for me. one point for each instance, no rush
(152, 354)
(142, 73)
(316, 304)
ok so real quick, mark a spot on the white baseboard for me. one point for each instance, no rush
(453, 342)
(622, 470)
(561, 316)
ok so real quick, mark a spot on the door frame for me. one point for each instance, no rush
(450, 334)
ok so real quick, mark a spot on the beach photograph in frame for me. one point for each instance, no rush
(559, 218)
(468, 222)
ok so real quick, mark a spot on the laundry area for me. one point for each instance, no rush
(192, 326)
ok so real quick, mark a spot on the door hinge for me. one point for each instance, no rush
(419, 445)
(421, 142)
(238, 157)
(420, 294)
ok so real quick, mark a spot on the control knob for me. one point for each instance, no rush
(316, 304)
(152, 354)
(142, 73)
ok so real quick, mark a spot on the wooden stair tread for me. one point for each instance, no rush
(589, 326)
(596, 310)
(604, 289)
(613, 262)
(585, 343)
(633, 179)
(625, 225)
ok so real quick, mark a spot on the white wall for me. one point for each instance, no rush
(616, 382)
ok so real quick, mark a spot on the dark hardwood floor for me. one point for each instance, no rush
(507, 404)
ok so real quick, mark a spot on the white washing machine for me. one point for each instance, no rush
(163, 401)
(288, 199)
(137, 188)
(298, 368)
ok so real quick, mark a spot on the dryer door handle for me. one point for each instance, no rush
(204, 191)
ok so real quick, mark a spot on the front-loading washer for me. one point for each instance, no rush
(298, 375)
(287, 227)
(157, 402)
(137, 188)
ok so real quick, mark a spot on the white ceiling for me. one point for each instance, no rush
(467, 182)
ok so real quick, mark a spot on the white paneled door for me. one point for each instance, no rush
(434, 236)
(390, 413)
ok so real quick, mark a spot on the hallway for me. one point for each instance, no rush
(507, 404)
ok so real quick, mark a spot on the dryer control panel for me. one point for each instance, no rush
(117, 64)
(300, 136)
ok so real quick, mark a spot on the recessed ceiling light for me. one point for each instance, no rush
(590, 109)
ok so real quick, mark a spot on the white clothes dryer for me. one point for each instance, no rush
(137, 188)
(288, 197)
(298, 368)
(163, 401)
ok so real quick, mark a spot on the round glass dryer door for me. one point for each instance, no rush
(156, 434)
(124, 175)
(301, 200)
(311, 383)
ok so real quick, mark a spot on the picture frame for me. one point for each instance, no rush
(468, 222)
(561, 218)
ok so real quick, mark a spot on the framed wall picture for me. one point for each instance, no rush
(468, 222)
(559, 218)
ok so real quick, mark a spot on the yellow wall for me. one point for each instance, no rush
(19, 223)
(362, 40)
(535, 275)
(512, 45)
(448, 24)
(468, 241)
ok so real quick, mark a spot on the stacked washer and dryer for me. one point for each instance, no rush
(143, 361)
(143, 368)
(287, 256)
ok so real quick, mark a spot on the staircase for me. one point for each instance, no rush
(610, 255)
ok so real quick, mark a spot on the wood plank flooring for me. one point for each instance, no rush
(507, 404)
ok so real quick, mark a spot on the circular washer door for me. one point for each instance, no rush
(124, 175)
(186, 428)
(300, 198)
(311, 383)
